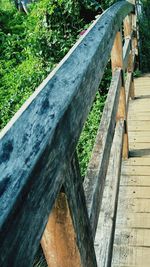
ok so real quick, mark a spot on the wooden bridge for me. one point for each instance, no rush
(105, 219)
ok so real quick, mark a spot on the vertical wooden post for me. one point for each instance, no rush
(117, 61)
(130, 67)
(59, 239)
(76, 199)
(127, 26)
(135, 32)
(67, 240)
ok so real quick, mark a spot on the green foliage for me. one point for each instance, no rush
(89, 132)
(144, 26)
(137, 73)
(30, 47)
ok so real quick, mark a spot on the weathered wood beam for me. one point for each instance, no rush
(128, 85)
(129, 65)
(77, 203)
(38, 141)
(126, 52)
(106, 223)
(97, 168)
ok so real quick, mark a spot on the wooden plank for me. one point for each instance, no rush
(140, 139)
(140, 102)
(105, 228)
(140, 116)
(133, 220)
(135, 192)
(126, 51)
(144, 147)
(144, 134)
(127, 88)
(139, 126)
(117, 61)
(136, 162)
(133, 205)
(59, 239)
(142, 88)
(43, 134)
(132, 88)
(138, 180)
(77, 204)
(127, 26)
(131, 256)
(117, 52)
(95, 178)
(135, 170)
(133, 237)
(144, 108)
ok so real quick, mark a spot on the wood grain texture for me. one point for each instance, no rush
(59, 240)
(77, 203)
(117, 52)
(132, 233)
(106, 223)
(117, 60)
(126, 52)
(95, 178)
(128, 87)
(43, 135)
(127, 23)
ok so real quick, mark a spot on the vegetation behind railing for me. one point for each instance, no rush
(38, 158)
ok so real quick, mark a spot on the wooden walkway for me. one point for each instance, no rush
(132, 233)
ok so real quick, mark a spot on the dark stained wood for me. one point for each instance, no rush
(77, 203)
(106, 224)
(42, 137)
(95, 178)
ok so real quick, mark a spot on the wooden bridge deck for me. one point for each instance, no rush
(132, 234)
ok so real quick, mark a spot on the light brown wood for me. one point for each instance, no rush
(135, 170)
(59, 240)
(132, 180)
(131, 256)
(136, 162)
(140, 147)
(127, 25)
(139, 139)
(117, 52)
(117, 61)
(132, 233)
(127, 87)
(130, 58)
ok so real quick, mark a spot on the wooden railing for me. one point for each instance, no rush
(40, 181)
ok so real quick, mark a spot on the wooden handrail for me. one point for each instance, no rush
(37, 147)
